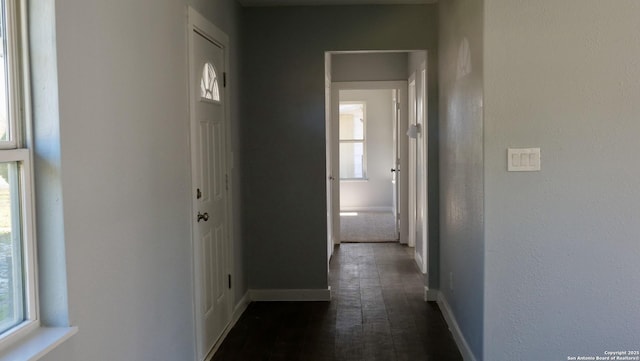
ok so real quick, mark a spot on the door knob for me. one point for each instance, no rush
(203, 217)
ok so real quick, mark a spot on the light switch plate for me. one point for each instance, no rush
(523, 159)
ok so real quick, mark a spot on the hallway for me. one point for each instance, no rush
(377, 312)
(367, 227)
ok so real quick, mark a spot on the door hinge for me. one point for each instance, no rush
(229, 281)
(224, 79)
(226, 182)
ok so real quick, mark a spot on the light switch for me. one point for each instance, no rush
(515, 160)
(523, 159)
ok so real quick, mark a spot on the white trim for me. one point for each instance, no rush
(238, 310)
(26, 227)
(332, 216)
(319, 294)
(430, 295)
(367, 209)
(424, 141)
(38, 343)
(463, 346)
(240, 307)
(412, 101)
(272, 3)
(15, 35)
(202, 24)
(419, 262)
(373, 85)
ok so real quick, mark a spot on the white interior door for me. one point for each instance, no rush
(210, 191)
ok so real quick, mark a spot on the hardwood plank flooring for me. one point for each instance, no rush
(377, 313)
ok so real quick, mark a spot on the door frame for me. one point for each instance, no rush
(396, 162)
(330, 178)
(333, 143)
(198, 23)
(423, 120)
(412, 102)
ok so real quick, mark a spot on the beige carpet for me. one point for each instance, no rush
(368, 227)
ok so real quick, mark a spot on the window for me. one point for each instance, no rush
(18, 303)
(352, 140)
(209, 89)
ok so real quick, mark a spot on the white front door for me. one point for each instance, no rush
(210, 191)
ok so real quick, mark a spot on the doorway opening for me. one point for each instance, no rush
(376, 137)
(366, 140)
(368, 153)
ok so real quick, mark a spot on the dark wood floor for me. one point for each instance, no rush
(377, 313)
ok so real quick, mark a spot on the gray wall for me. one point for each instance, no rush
(377, 191)
(461, 168)
(122, 159)
(562, 249)
(283, 125)
(369, 66)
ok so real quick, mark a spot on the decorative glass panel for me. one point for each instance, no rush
(209, 83)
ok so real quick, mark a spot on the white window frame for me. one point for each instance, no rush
(363, 140)
(16, 150)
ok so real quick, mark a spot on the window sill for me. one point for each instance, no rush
(37, 344)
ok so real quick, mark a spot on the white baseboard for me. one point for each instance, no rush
(320, 294)
(241, 306)
(463, 346)
(238, 310)
(430, 295)
(366, 209)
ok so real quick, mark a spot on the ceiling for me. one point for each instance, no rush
(331, 2)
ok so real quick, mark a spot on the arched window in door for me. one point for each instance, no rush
(209, 83)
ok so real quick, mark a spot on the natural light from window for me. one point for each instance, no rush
(352, 140)
(11, 286)
(348, 214)
(18, 301)
(4, 119)
(209, 83)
